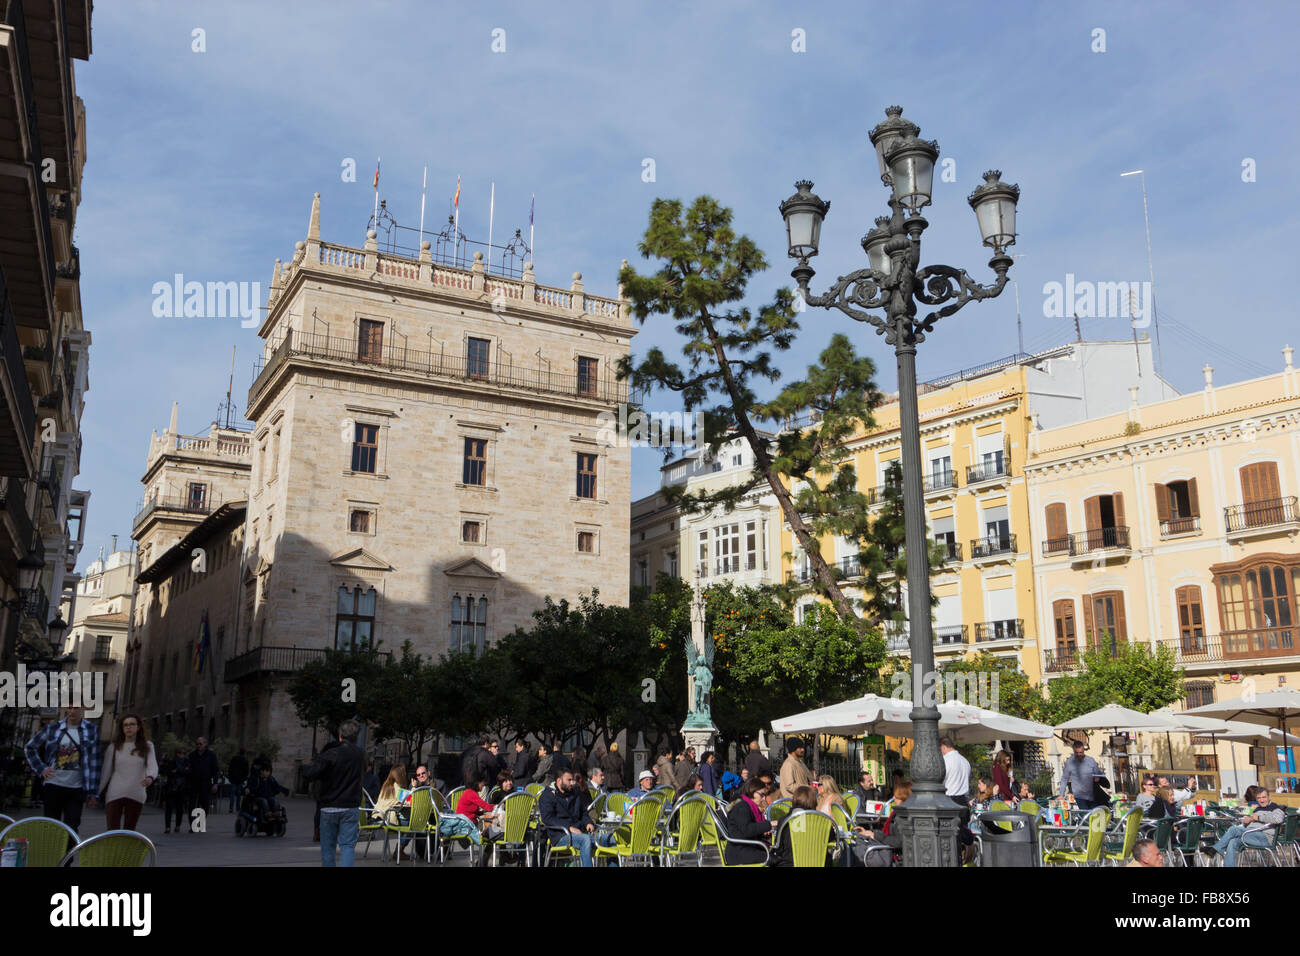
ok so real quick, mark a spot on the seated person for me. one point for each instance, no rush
(867, 790)
(984, 791)
(1254, 829)
(1147, 796)
(1180, 794)
(1023, 792)
(693, 784)
(803, 798)
(645, 782)
(828, 792)
(263, 790)
(562, 810)
(505, 784)
(387, 807)
(886, 835)
(480, 814)
(1162, 805)
(746, 821)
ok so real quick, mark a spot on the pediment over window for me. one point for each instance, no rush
(471, 568)
(359, 559)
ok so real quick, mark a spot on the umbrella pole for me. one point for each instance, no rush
(1236, 775)
(1169, 744)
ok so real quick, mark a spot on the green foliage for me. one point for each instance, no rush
(400, 701)
(224, 748)
(317, 690)
(1017, 697)
(1133, 676)
(727, 354)
(172, 743)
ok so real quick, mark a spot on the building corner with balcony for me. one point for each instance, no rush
(1174, 523)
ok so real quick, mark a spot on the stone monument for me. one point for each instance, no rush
(698, 730)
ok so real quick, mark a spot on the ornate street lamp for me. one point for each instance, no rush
(893, 283)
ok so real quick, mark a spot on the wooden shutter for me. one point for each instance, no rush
(1259, 482)
(1162, 502)
(1092, 513)
(1056, 523)
(1121, 627)
(1090, 635)
(1117, 500)
(1193, 502)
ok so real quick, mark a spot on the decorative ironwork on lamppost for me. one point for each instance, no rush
(894, 283)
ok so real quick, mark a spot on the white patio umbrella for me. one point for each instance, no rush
(1113, 717)
(1244, 733)
(1267, 708)
(986, 726)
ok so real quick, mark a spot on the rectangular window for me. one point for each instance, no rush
(702, 566)
(1199, 694)
(359, 521)
(474, 471)
(468, 623)
(670, 564)
(587, 368)
(365, 448)
(726, 548)
(1191, 620)
(103, 647)
(198, 495)
(354, 622)
(370, 341)
(587, 542)
(586, 475)
(1104, 621)
(471, 532)
(1066, 641)
(751, 545)
(476, 357)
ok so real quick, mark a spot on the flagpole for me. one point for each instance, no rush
(492, 205)
(532, 206)
(377, 161)
(420, 244)
(455, 237)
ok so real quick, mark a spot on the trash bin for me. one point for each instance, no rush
(1015, 847)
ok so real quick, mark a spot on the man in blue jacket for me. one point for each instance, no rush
(66, 756)
(563, 808)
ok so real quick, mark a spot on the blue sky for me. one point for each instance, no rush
(205, 163)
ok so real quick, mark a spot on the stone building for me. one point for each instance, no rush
(99, 620)
(425, 465)
(44, 345)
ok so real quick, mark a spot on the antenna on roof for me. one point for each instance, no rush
(228, 406)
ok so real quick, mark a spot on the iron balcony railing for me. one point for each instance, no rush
(12, 351)
(180, 503)
(277, 660)
(1173, 526)
(951, 549)
(1056, 546)
(1012, 629)
(987, 471)
(1057, 660)
(14, 503)
(802, 576)
(729, 564)
(52, 481)
(940, 480)
(851, 566)
(876, 496)
(35, 604)
(995, 544)
(947, 636)
(1099, 539)
(898, 639)
(1260, 514)
(441, 365)
(1236, 645)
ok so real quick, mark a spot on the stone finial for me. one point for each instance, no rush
(1287, 354)
(313, 225)
(577, 282)
(275, 276)
(478, 265)
(372, 240)
(299, 250)
(172, 427)
(1133, 394)
(425, 254)
(1208, 371)
(528, 270)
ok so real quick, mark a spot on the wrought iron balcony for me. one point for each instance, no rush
(12, 352)
(702, 569)
(14, 503)
(1056, 546)
(1058, 660)
(1260, 515)
(1237, 646)
(992, 546)
(1005, 630)
(898, 639)
(802, 576)
(876, 496)
(851, 566)
(937, 481)
(988, 471)
(1176, 526)
(52, 482)
(262, 661)
(34, 603)
(952, 549)
(948, 636)
(1099, 539)
(177, 503)
(728, 564)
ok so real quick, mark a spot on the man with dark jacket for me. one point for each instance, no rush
(339, 770)
(755, 762)
(487, 763)
(563, 810)
(238, 773)
(371, 783)
(204, 771)
(612, 764)
(559, 759)
(525, 763)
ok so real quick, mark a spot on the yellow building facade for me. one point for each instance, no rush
(1175, 523)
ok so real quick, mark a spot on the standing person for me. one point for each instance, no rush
(612, 764)
(593, 761)
(1080, 773)
(665, 772)
(1002, 777)
(794, 772)
(956, 784)
(370, 783)
(129, 769)
(339, 770)
(469, 759)
(238, 774)
(176, 792)
(525, 763)
(755, 762)
(545, 772)
(559, 759)
(65, 756)
(709, 773)
(686, 766)
(204, 771)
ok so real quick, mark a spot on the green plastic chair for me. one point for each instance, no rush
(515, 813)
(596, 809)
(1262, 855)
(685, 840)
(851, 801)
(617, 803)
(634, 844)
(1288, 844)
(1091, 854)
(1130, 825)
(723, 840)
(439, 800)
(1029, 806)
(779, 809)
(1001, 805)
(453, 799)
(48, 840)
(1193, 843)
(5, 821)
(534, 788)
(1163, 835)
(811, 834)
(417, 823)
(116, 848)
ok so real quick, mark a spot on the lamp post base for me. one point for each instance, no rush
(930, 825)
